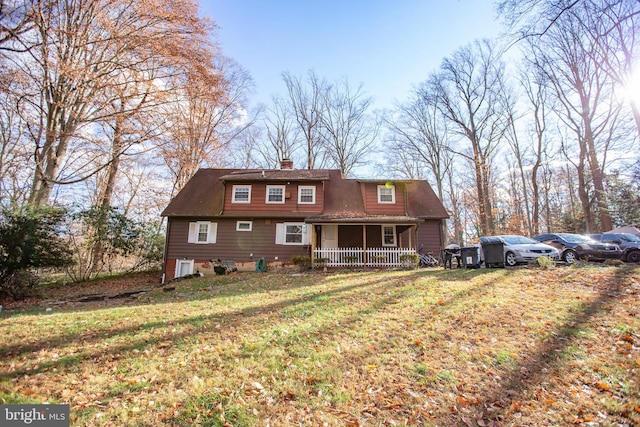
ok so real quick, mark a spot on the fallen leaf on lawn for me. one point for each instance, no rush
(350, 419)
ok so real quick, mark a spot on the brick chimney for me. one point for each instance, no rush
(286, 163)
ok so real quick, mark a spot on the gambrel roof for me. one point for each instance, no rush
(203, 196)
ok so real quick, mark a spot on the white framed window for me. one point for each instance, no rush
(184, 267)
(386, 194)
(388, 235)
(241, 194)
(292, 233)
(202, 232)
(244, 225)
(275, 194)
(306, 194)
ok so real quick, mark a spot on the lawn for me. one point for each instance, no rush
(525, 346)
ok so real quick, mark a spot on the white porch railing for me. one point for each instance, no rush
(372, 257)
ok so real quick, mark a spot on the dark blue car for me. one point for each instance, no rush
(629, 243)
(573, 247)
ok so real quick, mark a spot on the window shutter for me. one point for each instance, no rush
(280, 230)
(213, 232)
(193, 232)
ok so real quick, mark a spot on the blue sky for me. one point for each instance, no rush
(387, 46)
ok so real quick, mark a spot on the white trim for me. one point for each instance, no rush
(282, 188)
(281, 233)
(213, 232)
(239, 187)
(238, 223)
(313, 194)
(306, 234)
(179, 262)
(395, 239)
(393, 194)
(194, 232)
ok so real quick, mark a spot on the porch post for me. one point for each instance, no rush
(364, 244)
(411, 231)
(313, 243)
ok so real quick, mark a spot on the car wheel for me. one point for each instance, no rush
(633, 256)
(510, 259)
(570, 256)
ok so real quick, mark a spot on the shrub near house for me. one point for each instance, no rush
(276, 214)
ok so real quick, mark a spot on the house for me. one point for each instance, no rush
(245, 215)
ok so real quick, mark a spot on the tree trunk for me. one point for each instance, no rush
(106, 195)
(596, 174)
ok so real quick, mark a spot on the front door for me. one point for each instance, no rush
(329, 236)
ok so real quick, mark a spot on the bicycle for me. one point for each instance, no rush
(427, 260)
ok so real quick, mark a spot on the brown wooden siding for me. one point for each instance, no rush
(371, 205)
(429, 237)
(259, 192)
(240, 246)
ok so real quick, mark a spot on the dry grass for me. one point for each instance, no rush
(430, 347)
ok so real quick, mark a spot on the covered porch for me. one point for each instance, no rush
(363, 257)
(374, 243)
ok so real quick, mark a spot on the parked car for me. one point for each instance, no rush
(573, 247)
(521, 249)
(629, 243)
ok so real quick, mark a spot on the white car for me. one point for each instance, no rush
(521, 249)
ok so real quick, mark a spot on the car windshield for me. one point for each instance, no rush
(517, 240)
(576, 238)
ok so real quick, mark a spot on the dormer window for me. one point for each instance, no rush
(386, 194)
(275, 194)
(306, 195)
(241, 194)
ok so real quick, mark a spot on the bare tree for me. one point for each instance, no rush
(588, 106)
(610, 25)
(349, 129)
(14, 152)
(534, 85)
(203, 120)
(419, 129)
(282, 133)
(468, 96)
(307, 103)
(532, 18)
(519, 150)
(15, 20)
